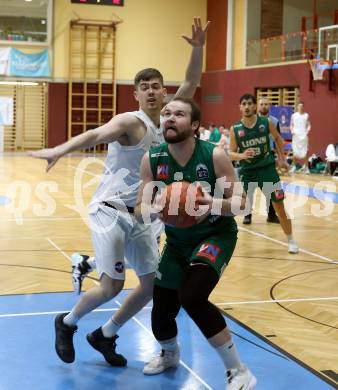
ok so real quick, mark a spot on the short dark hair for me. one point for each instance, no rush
(248, 96)
(195, 110)
(146, 75)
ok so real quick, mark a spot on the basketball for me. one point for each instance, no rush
(179, 202)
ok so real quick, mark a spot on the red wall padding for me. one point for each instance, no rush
(221, 91)
(57, 113)
(217, 13)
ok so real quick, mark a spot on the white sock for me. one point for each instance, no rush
(229, 355)
(290, 237)
(70, 319)
(91, 261)
(169, 345)
(110, 328)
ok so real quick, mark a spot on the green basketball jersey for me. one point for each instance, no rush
(199, 168)
(256, 138)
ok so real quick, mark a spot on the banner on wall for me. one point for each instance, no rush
(283, 114)
(4, 59)
(6, 110)
(6, 117)
(28, 65)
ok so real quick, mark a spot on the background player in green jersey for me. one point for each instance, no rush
(250, 145)
(263, 109)
(195, 257)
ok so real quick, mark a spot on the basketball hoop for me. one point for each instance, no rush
(317, 68)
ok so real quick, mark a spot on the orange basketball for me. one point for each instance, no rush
(179, 202)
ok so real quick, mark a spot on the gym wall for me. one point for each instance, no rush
(150, 36)
(222, 89)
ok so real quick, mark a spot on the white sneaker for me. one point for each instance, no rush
(161, 362)
(293, 247)
(293, 169)
(240, 379)
(80, 269)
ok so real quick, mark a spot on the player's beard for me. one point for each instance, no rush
(178, 137)
(264, 111)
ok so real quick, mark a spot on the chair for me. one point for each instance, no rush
(332, 158)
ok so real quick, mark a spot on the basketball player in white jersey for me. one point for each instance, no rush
(300, 127)
(115, 232)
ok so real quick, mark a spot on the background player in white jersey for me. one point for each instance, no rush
(115, 232)
(300, 127)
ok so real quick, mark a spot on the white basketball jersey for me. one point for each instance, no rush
(121, 175)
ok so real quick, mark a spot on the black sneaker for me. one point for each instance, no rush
(64, 339)
(106, 345)
(247, 219)
(272, 218)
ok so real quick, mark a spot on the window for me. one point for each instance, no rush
(25, 21)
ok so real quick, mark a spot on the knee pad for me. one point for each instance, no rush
(166, 306)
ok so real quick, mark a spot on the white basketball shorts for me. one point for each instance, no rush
(117, 236)
(300, 146)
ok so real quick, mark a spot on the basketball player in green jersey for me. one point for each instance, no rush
(194, 258)
(250, 145)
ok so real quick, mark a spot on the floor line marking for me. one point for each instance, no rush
(150, 307)
(58, 248)
(47, 313)
(193, 373)
(48, 218)
(277, 301)
(285, 244)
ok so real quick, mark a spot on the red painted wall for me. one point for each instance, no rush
(221, 92)
(217, 13)
(57, 113)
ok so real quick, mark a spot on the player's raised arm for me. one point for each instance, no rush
(194, 69)
(111, 131)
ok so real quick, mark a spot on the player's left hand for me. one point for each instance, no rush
(198, 33)
(204, 205)
(157, 208)
(282, 164)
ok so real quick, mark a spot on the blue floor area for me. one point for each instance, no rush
(28, 359)
(4, 200)
(310, 192)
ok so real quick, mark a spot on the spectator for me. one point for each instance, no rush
(215, 134)
(224, 142)
(204, 133)
(300, 127)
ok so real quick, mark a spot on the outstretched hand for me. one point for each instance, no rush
(198, 33)
(46, 154)
(248, 153)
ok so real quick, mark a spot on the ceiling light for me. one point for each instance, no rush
(18, 83)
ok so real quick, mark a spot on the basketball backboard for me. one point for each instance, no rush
(328, 45)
